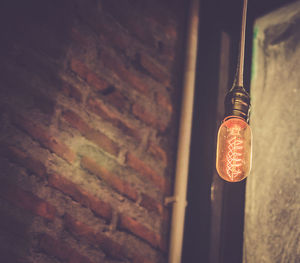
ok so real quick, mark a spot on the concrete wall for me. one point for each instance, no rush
(272, 213)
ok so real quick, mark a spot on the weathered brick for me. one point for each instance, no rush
(100, 109)
(76, 121)
(157, 71)
(96, 82)
(103, 142)
(164, 102)
(61, 250)
(81, 195)
(111, 179)
(126, 74)
(110, 247)
(40, 134)
(79, 68)
(118, 100)
(151, 204)
(27, 200)
(91, 134)
(98, 239)
(133, 226)
(71, 91)
(138, 165)
(148, 117)
(88, 75)
(24, 159)
(131, 22)
(116, 119)
(158, 153)
(101, 81)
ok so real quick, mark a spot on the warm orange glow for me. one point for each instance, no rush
(234, 149)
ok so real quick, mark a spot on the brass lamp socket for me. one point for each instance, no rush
(237, 103)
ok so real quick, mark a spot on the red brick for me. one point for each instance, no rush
(110, 247)
(98, 83)
(118, 100)
(27, 201)
(116, 119)
(125, 74)
(103, 142)
(61, 250)
(89, 76)
(154, 69)
(70, 91)
(80, 195)
(40, 134)
(158, 153)
(98, 239)
(79, 68)
(16, 155)
(76, 121)
(100, 109)
(149, 118)
(111, 179)
(164, 102)
(138, 165)
(151, 204)
(133, 226)
(91, 134)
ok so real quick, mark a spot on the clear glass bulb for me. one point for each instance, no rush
(234, 149)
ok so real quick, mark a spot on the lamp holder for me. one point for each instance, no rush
(237, 103)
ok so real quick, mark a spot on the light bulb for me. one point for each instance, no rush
(234, 149)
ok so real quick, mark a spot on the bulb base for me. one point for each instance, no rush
(237, 103)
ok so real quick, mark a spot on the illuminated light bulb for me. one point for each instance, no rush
(234, 143)
(234, 149)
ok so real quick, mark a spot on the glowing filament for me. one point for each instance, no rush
(234, 155)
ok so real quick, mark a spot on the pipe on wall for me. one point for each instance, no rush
(185, 127)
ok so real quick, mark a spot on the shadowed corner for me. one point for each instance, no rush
(33, 49)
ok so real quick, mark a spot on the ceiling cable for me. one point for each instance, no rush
(239, 79)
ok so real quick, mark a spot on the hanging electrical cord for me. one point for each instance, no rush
(234, 148)
(239, 78)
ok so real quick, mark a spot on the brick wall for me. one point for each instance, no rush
(89, 94)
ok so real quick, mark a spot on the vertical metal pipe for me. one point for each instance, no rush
(183, 152)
